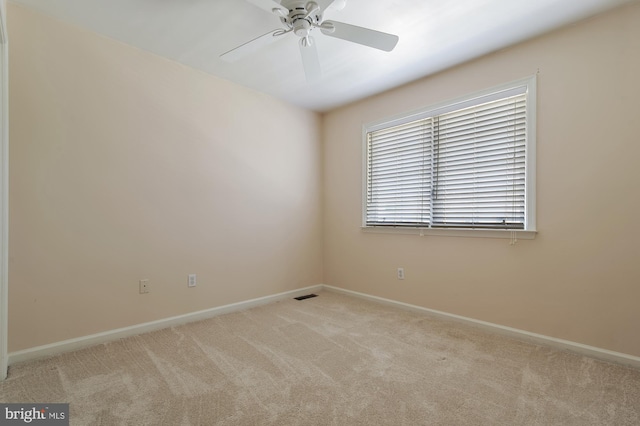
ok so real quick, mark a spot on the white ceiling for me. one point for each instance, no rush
(434, 35)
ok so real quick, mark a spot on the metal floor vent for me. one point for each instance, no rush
(307, 296)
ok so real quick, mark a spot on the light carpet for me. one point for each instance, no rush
(329, 360)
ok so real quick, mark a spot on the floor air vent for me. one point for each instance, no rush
(308, 296)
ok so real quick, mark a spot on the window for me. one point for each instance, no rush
(464, 165)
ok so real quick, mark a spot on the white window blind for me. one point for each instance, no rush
(462, 168)
(399, 174)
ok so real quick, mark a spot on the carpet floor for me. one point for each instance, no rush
(329, 360)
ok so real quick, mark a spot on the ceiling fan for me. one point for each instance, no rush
(301, 18)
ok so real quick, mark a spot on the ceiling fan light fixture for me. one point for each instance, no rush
(301, 28)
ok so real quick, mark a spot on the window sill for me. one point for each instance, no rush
(473, 233)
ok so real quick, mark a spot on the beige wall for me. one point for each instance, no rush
(580, 278)
(126, 166)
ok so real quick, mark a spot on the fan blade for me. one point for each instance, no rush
(337, 4)
(360, 35)
(324, 4)
(251, 46)
(310, 60)
(269, 6)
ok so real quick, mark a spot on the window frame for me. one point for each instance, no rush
(526, 85)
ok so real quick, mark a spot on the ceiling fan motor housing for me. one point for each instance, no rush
(302, 17)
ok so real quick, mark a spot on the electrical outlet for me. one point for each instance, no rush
(144, 286)
(401, 273)
(192, 280)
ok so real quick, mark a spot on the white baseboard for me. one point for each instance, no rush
(579, 348)
(52, 349)
(111, 335)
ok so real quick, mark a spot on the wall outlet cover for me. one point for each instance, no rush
(192, 280)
